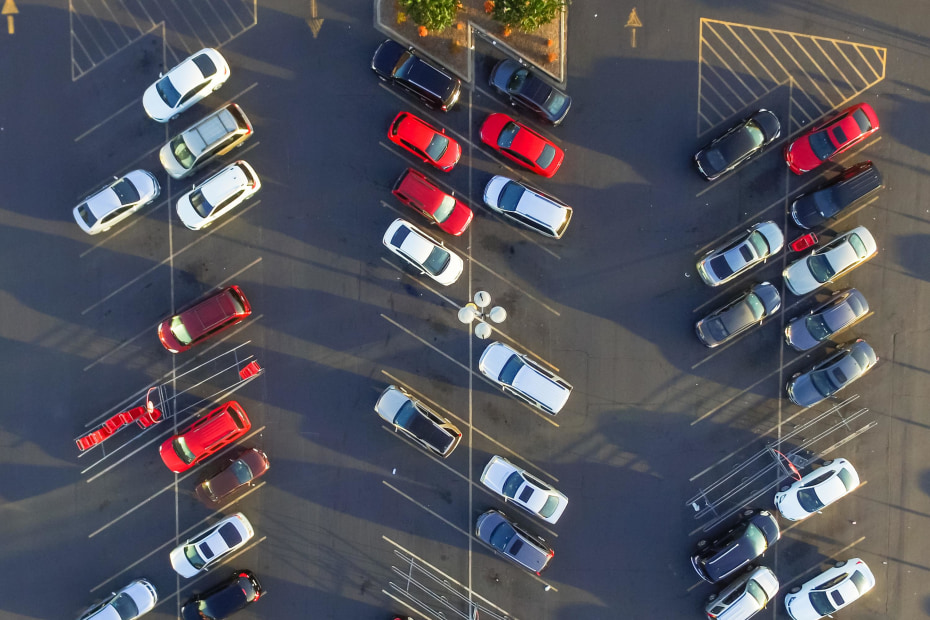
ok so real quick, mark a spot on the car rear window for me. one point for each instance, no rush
(437, 261)
(205, 65)
(230, 535)
(862, 119)
(859, 581)
(549, 507)
(846, 477)
(858, 246)
(126, 192)
(397, 240)
(86, 215)
(546, 157)
(437, 146)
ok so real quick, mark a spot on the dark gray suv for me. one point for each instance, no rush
(513, 542)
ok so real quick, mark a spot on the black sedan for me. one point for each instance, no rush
(842, 309)
(718, 559)
(851, 187)
(749, 309)
(851, 361)
(515, 81)
(737, 145)
(396, 63)
(224, 600)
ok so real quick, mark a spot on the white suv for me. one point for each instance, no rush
(528, 206)
(224, 191)
(745, 597)
(523, 378)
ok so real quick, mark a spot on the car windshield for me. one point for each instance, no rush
(501, 536)
(846, 478)
(821, 603)
(809, 501)
(184, 453)
(508, 133)
(510, 197)
(437, 146)
(510, 370)
(820, 268)
(190, 552)
(821, 145)
(546, 157)
(859, 581)
(126, 192)
(818, 327)
(179, 330)
(182, 153)
(200, 204)
(755, 538)
(241, 471)
(406, 415)
(512, 484)
(858, 246)
(437, 260)
(124, 606)
(168, 93)
(402, 68)
(550, 506)
(445, 209)
(756, 592)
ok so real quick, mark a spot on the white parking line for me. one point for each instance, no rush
(514, 285)
(138, 217)
(420, 282)
(426, 508)
(137, 101)
(119, 347)
(819, 564)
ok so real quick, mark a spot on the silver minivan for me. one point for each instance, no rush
(745, 597)
(210, 137)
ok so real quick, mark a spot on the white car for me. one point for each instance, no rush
(210, 546)
(831, 261)
(186, 84)
(523, 489)
(215, 197)
(528, 206)
(830, 591)
(745, 597)
(133, 601)
(116, 201)
(427, 254)
(817, 490)
(523, 378)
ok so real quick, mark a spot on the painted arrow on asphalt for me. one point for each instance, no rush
(9, 9)
(314, 22)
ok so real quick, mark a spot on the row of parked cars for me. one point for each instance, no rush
(211, 137)
(732, 553)
(516, 374)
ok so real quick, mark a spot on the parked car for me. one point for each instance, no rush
(830, 261)
(133, 601)
(848, 363)
(513, 80)
(210, 137)
(745, 597)
(721, 557)
(528, 206)
(205, 319)
(238, 473)
(417, 422)
(749, 309)
(513, 542)
(830, 591)
(207, 435)
(851, 187)
(425, 141)
(521, 144)
(211, 545)
(741, 253)
(225, 599)
(218, 195)
(434, 86)
(184, 85)
(422, 195)
(817, 489)
(747, 139)
(114, 202)
(523, 378)
(843, 309)
(827, 139)
(427, 255)
(523, 489)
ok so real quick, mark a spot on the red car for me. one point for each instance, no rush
(209, 317)
(521, 144)
(214, 431)
(425, 141)
(419, 193)
(238, 472)
(831, 137)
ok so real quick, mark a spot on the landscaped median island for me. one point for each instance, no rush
(535, 30)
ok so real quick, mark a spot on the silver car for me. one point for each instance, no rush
(741, 254)
(732, 319)
(428, 255)
(745, 597)
(116, 201)
(133, 601)
(843, 309)
(523, 489)
(528, 206)
(523, 378)
(826, 378)
(494, 529)
(831, 261)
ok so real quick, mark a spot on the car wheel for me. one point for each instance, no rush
(840, 564)
(711, 598)
(701, 544)
(784, 488)
(795, 590)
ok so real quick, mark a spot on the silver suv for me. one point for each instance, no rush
(528, 206)
(210, 137)
(745, 597)
(523, 378)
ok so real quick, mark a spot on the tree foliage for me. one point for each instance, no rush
(527, 15)
(435, 15)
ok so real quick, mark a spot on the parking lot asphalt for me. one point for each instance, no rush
(662, 440)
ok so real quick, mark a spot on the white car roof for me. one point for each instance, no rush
(831, 489)
(416, 246)
(540, 387)
(217, 188)
(186, 76)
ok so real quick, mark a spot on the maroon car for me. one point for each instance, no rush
(209, 317)
(236, 474)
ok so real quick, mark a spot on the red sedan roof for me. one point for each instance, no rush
(409, 131)
(828, 139)
(525, 145)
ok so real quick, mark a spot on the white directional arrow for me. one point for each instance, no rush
(314, 22)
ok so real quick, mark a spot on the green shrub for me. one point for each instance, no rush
(527, 15)
(435, 15)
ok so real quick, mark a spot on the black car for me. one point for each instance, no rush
(394, 62)
(224, 600)
(851, 187)
(759, 302)
(418, 422)
(718, 559)
(512, 79)
(842, 309)
(738, 144)
(851, 361)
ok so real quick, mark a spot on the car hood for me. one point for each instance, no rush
(493, 359)
(802, 392)
(180, 564)
(798, 336)
(800, 156)
(799, 278)
(458, 220)
(386, 57)
(502, 73)
(389, 403)
(154, 106)
(788, 506)
(142, 596)
(496, 472)
(492, 191)
(804, 211)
